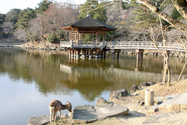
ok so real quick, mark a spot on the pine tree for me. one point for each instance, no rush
(43, 6)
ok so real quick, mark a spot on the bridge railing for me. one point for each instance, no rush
(124, 45)
(144, 45)
(81, 44)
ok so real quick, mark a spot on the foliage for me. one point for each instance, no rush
(24, 17)
(94, 9)
(12, 15)
(176, 14)
(2, 18)
(51, 37)
(43, 6)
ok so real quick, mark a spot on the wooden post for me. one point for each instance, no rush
(117, 55)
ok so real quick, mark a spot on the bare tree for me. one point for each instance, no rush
(35, 28)
(58, 15)
(181, 6)
(8, 28)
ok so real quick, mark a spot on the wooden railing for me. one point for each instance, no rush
(82, 44)
(144, 45)
(125, 45)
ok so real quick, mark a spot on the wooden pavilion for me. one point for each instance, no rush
(78, 29)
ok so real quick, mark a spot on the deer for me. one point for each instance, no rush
(56, 106)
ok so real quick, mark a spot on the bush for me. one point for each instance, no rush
(51, 37)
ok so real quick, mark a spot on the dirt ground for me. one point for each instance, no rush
(139, 116)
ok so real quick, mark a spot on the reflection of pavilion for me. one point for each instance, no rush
(87, 78)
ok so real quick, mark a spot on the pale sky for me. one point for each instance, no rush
(7, 5)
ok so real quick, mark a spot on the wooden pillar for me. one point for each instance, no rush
(104, 54)
(90, 53)
(92, 36)
(78, 37)
(101, 54)
(70, 52)
(139, 54)
(117, 55)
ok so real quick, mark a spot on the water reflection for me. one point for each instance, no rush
(57, 73)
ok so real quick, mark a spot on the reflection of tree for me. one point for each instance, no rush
(89, 77)
(89, 83)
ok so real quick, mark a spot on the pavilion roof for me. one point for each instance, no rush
(89, 22)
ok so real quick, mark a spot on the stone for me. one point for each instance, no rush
(101, 101)
(118, 94)
(88, 113)
(153, 109)
(40, 120)
(175, 102)
(141, 103)
(134, 88)
(145, 84)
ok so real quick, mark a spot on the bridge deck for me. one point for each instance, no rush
(124, 45)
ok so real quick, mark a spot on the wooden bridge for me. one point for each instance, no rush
(125, 45)
(116, 47)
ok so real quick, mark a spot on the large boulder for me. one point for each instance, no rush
(88, 113)
(134, 88)
(118, 94)
(101, 101)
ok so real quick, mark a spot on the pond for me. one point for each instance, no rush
(29, 80)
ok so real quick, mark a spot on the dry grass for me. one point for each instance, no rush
(163, 90)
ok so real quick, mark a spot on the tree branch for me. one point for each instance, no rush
(175, 23)
(181, 6)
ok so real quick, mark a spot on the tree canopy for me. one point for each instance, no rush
(12, 15)
(43, 6)
(94, 9)
(24, 17)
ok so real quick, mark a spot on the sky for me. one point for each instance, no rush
(7, 5)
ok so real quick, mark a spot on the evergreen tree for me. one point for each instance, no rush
(94, 9)
(24, 17)
(2, 18)
(43, 6)
(12, 15)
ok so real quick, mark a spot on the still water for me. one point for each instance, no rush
(29, 80)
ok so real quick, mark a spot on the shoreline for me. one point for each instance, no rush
(140, 114)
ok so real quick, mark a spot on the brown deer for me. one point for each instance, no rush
(56, 106)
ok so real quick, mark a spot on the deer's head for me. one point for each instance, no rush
(69, 106)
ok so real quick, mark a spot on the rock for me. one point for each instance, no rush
(40, 120)
(145, 84)
(141, 103)
(153, 109)
(134, 88)
(175, 102)
(88, 113)
(159, 81)
(101, 101)
(118, 94)
(157, 102)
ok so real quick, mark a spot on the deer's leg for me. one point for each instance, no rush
(54, 116)
(59, 113)
(51, 110)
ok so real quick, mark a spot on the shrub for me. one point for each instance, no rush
(51, 37)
